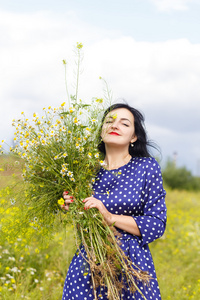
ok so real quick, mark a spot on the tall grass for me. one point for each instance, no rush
(30, 270)
(177, 254)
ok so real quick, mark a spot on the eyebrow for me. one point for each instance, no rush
(123, 119)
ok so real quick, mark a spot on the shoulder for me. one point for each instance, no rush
(147, 164)
(145, 161)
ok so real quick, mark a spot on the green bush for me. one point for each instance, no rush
(179, 178)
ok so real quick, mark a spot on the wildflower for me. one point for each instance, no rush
(79, 46)
(64, 154)
(102, 163)
(70, 174)
(71, 109)
(61, 201)
(5, 251)
(11, 258)
(63, 104)
(99, 100)
(89, 155)
(96, 155)
(12, 201)
(3, 278)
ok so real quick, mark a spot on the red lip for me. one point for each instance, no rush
(114, 133)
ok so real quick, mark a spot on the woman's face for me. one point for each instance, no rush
(118, 128)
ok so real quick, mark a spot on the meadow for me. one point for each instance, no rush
(30, 269)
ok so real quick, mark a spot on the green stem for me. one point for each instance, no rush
(78, 73)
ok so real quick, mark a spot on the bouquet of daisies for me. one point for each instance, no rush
(60, 153)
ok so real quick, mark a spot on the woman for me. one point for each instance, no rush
(128, 192)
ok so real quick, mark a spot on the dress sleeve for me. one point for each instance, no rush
(152, 222)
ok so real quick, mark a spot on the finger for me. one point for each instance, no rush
(68, 197)
(90, 204)
(65, 193)
(65, 207)
(68, 201)
(87, 199)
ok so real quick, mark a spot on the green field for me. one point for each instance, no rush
(28, 270)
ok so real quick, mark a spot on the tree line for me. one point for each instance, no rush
(179, 178)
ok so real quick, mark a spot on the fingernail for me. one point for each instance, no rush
(66, 192)
(72, 200)
(71, 197)
(84, 208)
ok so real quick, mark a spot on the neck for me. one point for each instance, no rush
(116, 158)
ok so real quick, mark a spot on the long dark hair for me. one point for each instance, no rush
(142, 144)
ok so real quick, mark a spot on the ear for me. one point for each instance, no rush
(134, 139)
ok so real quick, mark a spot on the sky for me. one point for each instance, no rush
(148, 51)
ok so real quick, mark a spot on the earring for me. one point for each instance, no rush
(132, 145)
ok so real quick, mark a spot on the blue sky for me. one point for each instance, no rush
(142, 19)
(147, 50)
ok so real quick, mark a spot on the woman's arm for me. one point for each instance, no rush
(126, 223)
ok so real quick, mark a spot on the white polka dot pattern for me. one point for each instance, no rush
(136, 190)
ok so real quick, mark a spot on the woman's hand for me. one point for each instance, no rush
(126, 223)
(91, 202)
(68, 200)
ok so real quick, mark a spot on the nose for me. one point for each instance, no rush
(114, 124)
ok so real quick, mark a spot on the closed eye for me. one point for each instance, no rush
(126, 125)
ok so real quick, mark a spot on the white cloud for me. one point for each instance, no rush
(168, 5)
(161, 79)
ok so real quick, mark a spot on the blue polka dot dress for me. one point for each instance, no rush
(134, 190)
